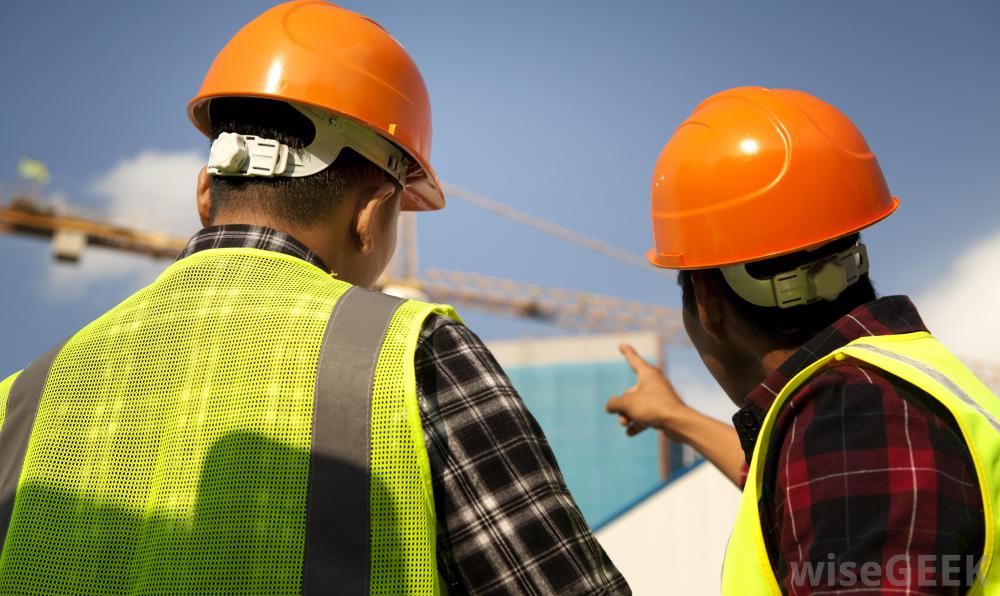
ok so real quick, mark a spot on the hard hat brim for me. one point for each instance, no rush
(680, 262)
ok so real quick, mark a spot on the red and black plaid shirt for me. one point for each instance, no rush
(864, 468)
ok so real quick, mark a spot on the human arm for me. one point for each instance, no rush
(654, 403)
(506, 521)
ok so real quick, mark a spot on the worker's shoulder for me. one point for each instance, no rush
(5, 387)
(436, 321)
(6, 383)
(847, 372)
(852, 375)
(447, 344)
(859, 391)
(443, 332)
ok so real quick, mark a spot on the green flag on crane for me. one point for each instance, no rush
(33, 170)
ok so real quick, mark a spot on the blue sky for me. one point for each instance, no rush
(555, 108)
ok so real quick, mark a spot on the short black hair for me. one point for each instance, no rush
(789, 327)
(300, 201)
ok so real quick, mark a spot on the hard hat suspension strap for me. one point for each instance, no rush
(234, 154)
(824, 279)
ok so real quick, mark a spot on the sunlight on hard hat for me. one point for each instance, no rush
(274, 76)
(749, 146)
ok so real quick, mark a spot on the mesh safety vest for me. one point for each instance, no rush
(246, 424)
(921, 360)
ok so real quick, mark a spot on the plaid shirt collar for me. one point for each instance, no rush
(247, 236)
(891, 315)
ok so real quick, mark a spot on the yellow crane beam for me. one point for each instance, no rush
(23, 216)
(583, 311)
(567, 308)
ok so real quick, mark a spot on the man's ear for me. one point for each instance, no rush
(708, 299)
(204, 195)
(368, 215)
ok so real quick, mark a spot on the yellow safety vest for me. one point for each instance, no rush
(921, 360)
(246, 423)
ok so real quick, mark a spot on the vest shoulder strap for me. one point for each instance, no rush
(22, 406)
(338, 528)
(920, 356)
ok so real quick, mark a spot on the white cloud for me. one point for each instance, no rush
(961, 308)
(152, 191)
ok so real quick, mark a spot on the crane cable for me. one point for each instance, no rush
(552, 229)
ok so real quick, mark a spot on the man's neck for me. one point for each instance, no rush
(770, 361)
(754, 371)
(318, 239)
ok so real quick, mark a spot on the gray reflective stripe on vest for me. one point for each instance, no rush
(337, 549)
(944, 380)
(22, 406)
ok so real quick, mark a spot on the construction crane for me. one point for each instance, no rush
(581, 311)
(71, 234)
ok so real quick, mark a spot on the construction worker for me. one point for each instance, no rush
(258, 421)
(869, 455)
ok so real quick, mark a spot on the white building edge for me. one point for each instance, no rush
(673, 541)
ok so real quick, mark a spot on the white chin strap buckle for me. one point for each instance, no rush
(234, 154)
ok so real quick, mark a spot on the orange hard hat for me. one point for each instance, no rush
(314, 53)
(755, 173)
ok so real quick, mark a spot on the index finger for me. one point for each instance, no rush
(635, 361)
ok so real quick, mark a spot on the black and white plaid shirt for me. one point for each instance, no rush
(506, 522)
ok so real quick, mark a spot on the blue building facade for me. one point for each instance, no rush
(565, 383)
